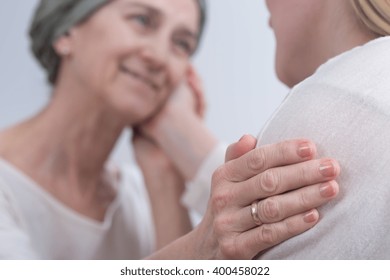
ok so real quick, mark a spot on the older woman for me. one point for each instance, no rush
(112, 65)
(336, 56)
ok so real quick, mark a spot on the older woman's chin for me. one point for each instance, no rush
(135, 117)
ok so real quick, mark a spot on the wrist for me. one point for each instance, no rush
(159, 125)
(184, 138)
(203, 242)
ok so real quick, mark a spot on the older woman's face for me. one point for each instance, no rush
(133, 53)
(296, 24)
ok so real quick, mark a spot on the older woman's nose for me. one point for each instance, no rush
(156, 55)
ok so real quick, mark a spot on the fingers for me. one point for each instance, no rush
(280, 207)
(268, 235)
(276, 175)
(286, 178)
(195, 84)
(266, 157)
(238, 149)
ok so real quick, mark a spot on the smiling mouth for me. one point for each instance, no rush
(142, 78)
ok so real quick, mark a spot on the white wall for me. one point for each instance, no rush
(235, 61)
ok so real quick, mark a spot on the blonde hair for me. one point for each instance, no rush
(375, 14)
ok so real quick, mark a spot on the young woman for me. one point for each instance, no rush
(340, 99)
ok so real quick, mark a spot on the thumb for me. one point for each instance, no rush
(238, 149)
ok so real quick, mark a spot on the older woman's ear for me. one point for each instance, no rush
(51, 20)
(62, 46)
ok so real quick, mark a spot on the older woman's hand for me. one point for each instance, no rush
(188, 98)
(187, 148)
(263, 198)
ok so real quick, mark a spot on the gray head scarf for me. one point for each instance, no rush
(53, 18)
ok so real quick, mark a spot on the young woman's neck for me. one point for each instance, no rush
(338, 30)
(345, 30)
(341, 31)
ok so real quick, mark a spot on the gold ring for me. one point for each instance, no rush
(255, 213)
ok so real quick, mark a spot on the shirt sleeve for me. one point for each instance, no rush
(137, 208)
(198, 190)
(14, 240)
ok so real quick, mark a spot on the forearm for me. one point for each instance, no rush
(180, 249)
(171, 218)
(199, 244)
(198, 189)
(186, 140)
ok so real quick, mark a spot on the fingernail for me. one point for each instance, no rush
(327, 169)
(304, 150)
(327, 190)
(310, 217)
(242, 137)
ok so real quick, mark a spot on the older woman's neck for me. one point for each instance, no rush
(68, 142)
(89, 131)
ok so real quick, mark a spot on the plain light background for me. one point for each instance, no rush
(235, 61)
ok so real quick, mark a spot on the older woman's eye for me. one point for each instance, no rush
(184, 46)
(142, 20)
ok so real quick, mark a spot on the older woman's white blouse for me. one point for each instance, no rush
(34, 225)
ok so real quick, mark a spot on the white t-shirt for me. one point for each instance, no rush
(34, 225)
(345, 109)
